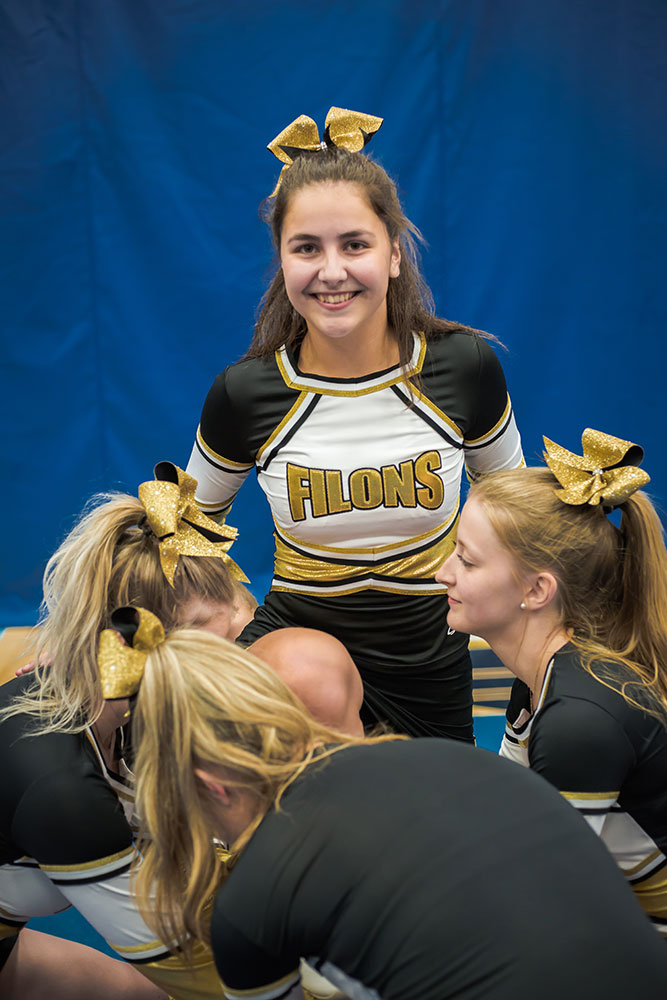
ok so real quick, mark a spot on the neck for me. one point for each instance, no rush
(527, 646)
(105, 730)
(348, 357)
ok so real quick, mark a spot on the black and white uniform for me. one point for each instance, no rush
(429, 869)
(363, 478)
(67, 839)
(608, 759)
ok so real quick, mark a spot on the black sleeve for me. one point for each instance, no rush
(63, 819)
(222, 423)
(491, 392)
(579, 747)
(243, 964)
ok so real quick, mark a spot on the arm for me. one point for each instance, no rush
(79, 839)
(219, 461)
(246, 968)
(582, 750)
(514, 745)
(492, 440)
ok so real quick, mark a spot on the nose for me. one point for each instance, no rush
(445, 573)
(333, 267)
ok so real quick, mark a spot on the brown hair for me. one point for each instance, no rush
(612, 582)
(410, 307)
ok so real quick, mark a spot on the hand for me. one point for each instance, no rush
(45, 660)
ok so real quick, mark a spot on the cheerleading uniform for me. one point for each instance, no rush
(67, 839)
(363, 479)
(607, 758)
(429, 869)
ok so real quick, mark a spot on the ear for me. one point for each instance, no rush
(542, 591)
(213, 784)
(395, 262)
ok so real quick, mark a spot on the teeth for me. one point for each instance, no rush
(334, 299)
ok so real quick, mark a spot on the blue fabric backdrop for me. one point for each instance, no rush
(528, 139)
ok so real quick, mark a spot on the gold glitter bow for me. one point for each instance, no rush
(121, 667)
(349, 130)
(176, 520)
(606, 473)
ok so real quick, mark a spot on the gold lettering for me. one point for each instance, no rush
(318, 494)
(337, 503)
(298, 490)
(366, 489)
(433, 494)
(399, 485)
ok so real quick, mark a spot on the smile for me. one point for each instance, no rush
(334, 299)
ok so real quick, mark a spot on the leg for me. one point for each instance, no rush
(44, 967)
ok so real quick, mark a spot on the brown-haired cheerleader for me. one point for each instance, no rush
(359, 409)
(399, 868)
(576, 607)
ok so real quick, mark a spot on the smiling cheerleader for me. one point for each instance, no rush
(358, 408)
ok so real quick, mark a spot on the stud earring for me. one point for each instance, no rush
(522, 606)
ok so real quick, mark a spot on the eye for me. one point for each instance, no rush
(356, 245)
(306, 248)
(464, 562)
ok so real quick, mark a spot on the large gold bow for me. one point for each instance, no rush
(349, 130)
(121, 667)
(606, 473)
(176, 520)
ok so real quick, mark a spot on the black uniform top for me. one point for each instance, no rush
(428, 869)
(607, 758)
(363, 479)
(66, 838)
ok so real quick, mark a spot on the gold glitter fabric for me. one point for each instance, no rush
(606, 473)
(121, 667)
(349, 130)
(176, 520)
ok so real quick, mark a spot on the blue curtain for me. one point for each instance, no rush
(529, 143)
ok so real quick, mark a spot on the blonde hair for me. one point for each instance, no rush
(110, 558)
(612, 582)
(204, 702)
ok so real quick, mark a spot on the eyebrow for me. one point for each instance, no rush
(354, 233)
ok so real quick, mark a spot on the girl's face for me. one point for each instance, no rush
(485, 590)
(337, 260)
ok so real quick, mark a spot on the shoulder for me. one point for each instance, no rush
(466, 349)
(242, 380)
(582, 735)
(66, 813)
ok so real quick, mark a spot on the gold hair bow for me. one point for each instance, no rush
(176, 520)
(121, 667)
(606, 473)
(349, 130)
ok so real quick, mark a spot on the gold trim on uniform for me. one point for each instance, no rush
(269, 990)
(368, 550)
(291, 565)
(652, 894)
(292, 412)
(91, 865)
(221, 458)
(496, 426)
(425, 401)
(321, 389)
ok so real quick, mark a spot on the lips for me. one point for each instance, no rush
(334, 298)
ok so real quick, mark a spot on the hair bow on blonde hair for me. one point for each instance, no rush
(178, 523)
(121, 666)
(606, 473)
(349, 130)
